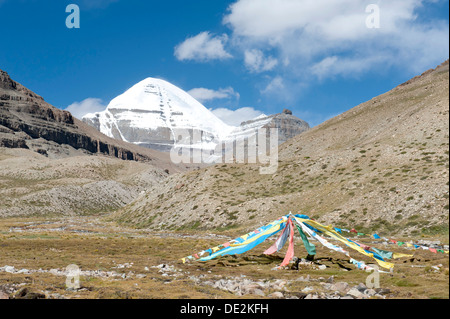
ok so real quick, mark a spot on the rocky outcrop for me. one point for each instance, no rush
(27, 121)
(287, 124)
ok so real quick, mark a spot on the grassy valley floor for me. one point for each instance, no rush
(119, 262)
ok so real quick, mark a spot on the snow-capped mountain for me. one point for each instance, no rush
(154, 113)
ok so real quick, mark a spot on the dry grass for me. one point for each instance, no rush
(105, 247)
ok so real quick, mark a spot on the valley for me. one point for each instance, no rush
(126, 215)
(125, 263)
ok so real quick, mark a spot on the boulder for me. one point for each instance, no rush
(354, 292)
(276, 295)
(26, 293)
(341, 287)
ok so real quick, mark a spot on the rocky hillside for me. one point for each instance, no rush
(28, 122)
(287, 124)
(53, 164)
(382, 166)
(34, 185)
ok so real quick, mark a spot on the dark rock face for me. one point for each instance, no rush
(27, 121)
(287, 124)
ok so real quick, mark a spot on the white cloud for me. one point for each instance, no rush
(204, 95)
(331, 35)
(256, 62)
(274, 86)
(347, 67)
(236, 117)
(334, 19)
(89, 105)
(202, 48)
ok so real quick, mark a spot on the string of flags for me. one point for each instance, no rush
(309, 230)
(395, 242)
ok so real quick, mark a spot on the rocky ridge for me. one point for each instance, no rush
(28, 122)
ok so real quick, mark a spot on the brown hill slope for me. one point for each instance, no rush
(34, 185)
(382, 166)
(53, 164)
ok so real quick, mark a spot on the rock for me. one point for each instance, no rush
(370, 292)
(258, 292)
(278, 284)
(9, 269)
(54, 272)
(383, 291)
(312, 296)
(327, 286)
(287, 124)
(3, 295)
(26, 293)
(330, 280)
(304, 279)
(307, 289)
(341, 287)
(354, 292)
(51, 129)
(322, 267)
(347, 297)
(23, 271)
(299, 295)
(276, 295)
(361, 287)
(286, 111)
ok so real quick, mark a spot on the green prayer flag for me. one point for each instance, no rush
(310, 248)
(383, 253)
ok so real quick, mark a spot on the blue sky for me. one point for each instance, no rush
(239, 58)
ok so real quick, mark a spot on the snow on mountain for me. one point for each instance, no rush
(248, 128)
(155, 113)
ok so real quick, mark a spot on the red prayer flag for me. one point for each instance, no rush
(290, 251)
